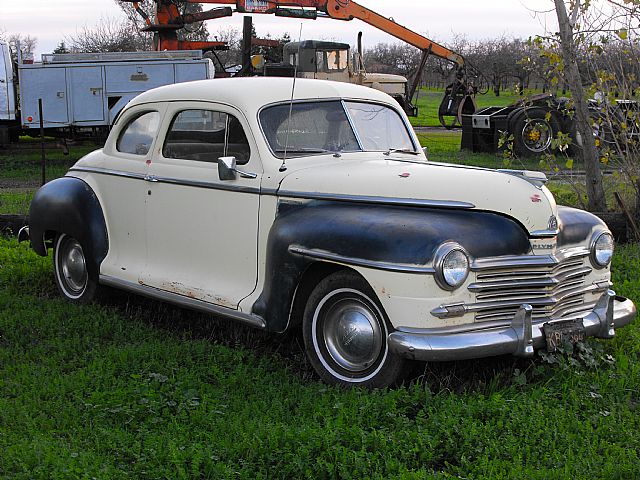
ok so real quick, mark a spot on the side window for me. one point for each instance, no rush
(136, 138)
(205, 136)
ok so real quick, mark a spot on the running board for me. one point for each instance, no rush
(248, 319)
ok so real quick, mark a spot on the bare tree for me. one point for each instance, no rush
(109, 35)
(595, 189)
(27, 43)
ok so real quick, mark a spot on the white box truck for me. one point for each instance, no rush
(85, 90)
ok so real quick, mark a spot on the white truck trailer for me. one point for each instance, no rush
(85, 90)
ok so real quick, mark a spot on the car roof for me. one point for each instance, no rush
(249, 94)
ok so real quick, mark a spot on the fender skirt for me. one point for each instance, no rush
(68, 205)
(386, 236)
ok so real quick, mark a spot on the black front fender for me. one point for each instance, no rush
(385, 236)
(68, 205)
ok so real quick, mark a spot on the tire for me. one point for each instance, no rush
(73, 279)
(532, 132)
(345, 334)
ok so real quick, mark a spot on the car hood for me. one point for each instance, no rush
(411, 182)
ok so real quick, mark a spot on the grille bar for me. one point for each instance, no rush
(553, 285)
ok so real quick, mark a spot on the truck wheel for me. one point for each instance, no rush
(70, 269)
(533, 132)
(345, 334)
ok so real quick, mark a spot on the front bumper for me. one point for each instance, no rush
(520, 338)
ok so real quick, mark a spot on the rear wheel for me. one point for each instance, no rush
(345, 334)
(72, 275)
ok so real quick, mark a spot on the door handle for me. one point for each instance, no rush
(150, 178)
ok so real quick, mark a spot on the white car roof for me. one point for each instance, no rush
(249, 94)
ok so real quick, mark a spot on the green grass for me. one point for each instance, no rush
(429, 101)
(15, 201)
(135, 389)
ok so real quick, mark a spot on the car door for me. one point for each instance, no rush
(117, 175)
(202, 232)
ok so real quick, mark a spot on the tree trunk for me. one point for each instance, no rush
(595, 190)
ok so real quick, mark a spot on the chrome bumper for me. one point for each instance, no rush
(520, 338)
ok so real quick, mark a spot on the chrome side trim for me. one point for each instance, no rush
(208, 185)
(108, 171)
(359, 262)
(168, 180)
(182, 301)
(407, 202)
(457, 344)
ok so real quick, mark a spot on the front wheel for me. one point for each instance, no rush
(73, 278)
(345, 334)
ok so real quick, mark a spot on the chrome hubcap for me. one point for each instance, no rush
(352, 335)
(537, 135)
(73, 266)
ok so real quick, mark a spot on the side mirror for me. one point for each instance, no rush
(425, 150)
(227, 168)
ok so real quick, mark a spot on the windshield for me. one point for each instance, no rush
(333, 126)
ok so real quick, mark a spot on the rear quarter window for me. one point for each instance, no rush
(137, 136)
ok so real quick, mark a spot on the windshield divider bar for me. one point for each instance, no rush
(352, 124)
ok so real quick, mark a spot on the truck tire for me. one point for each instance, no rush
(533, 132)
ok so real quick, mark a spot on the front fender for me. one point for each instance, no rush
(68, 205)
(384, 237)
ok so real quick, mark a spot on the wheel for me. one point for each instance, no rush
(345, 334)
(71, 273)
(533, 132)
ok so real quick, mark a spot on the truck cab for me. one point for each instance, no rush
(322, 60)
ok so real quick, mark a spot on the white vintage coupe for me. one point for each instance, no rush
(316, 207)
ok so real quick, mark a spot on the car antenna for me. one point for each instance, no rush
(283, 167)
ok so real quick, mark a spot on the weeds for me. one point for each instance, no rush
(137, 389)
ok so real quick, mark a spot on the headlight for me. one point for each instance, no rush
(601, 249)
(451, 266)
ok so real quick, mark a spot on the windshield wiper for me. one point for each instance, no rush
(401, 150)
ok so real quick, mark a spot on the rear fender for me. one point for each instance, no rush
(68, 205)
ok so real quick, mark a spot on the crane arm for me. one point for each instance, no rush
(346, 10)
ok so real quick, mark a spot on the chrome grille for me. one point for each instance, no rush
(553, 285)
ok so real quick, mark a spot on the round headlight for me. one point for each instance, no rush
(452, 266)
(602, 250)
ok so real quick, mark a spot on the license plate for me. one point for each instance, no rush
(558, 333)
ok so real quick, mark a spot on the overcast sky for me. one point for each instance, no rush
(50, 21)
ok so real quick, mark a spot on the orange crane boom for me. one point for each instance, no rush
(343, 10)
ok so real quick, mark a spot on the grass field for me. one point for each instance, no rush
(132, 388)
(135, 389)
